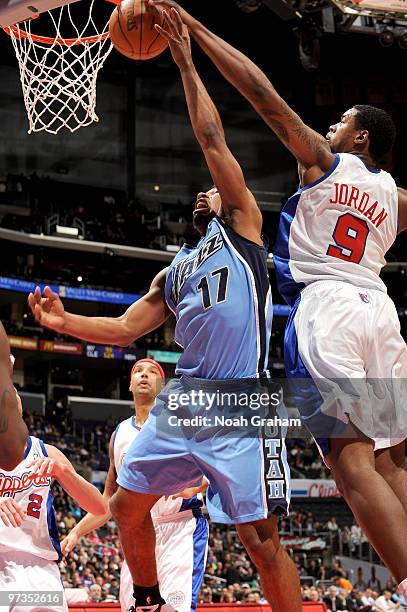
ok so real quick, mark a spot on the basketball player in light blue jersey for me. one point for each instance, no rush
(219, 292)
(343, 343)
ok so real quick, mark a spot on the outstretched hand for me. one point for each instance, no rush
(45, 467)
(161, 5)
(176, 33)
(47, 309)
(69, 542)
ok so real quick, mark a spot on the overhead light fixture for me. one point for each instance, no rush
(386, 38)
(66, 232)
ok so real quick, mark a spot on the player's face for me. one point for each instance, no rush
(146, 380)
(208, 204)
(342, 135)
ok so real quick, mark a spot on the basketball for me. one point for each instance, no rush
(132, 32)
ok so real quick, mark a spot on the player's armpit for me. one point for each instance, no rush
(402, 225)
(146, 314)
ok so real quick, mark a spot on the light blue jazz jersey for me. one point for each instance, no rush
(220, 295)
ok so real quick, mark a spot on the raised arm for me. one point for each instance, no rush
(13, 431)
(57, 466)
(310, 148)
(91, 521)
(226, 172)
(140, 318)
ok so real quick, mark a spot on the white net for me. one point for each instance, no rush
(59, 74)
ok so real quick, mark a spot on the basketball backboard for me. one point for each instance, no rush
(14, 11)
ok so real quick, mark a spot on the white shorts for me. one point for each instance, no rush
(20, 571)
(181, 551)
(346, 340)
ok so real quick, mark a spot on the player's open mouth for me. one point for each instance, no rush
(202, 208)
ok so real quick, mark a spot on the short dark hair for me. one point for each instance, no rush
(381, 128)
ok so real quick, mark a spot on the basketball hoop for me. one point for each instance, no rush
(59, 73)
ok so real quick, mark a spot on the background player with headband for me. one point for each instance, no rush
(13, 431)
(29, 542)
(220, 294)
(334, 233)
(181, 530)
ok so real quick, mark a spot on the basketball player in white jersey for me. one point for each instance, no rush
(29, 542)
(334, 233)
(181, 530)
(13, 431)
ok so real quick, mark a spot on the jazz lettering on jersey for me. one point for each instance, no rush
(11, 485)
(185, 268)
(348, 195)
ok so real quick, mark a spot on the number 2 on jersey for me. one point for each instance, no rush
(203, 286)
(34, 507)
(350, 235)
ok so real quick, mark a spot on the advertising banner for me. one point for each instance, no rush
(164, 356)
(69, 348)
(314, 488)
(72, 293)
(302, 543)
(23, 343)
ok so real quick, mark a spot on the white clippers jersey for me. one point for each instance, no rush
(38, 533)
(338, 228)
(163, 510)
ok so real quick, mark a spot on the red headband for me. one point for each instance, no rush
(148, 360)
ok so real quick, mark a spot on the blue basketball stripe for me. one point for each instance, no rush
(201, 535)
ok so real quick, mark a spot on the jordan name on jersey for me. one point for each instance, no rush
(365, 203)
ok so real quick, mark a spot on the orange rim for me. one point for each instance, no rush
(67, 42)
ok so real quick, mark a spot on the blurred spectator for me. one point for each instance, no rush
(333, 601)
(360, 584)
(398, 598)
(385, 603)
(373, 582)
(95, 593)
(332, 525)
(69, 521)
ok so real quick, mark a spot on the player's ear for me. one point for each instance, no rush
(362, 137)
